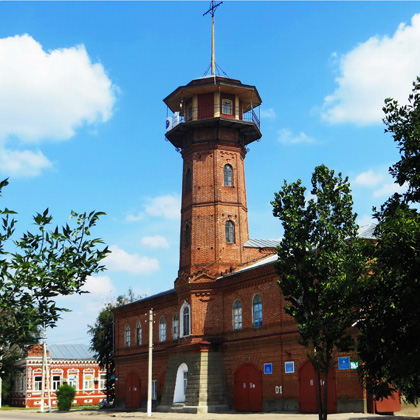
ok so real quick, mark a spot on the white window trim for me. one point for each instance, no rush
(181, 320)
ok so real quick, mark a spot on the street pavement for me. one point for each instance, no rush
(110, 414)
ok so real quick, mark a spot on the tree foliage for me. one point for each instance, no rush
(65, 396)
(102, 342)
(389, 342)
(38, 267)
(320, 261)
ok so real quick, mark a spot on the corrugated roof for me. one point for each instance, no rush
(262, 243)
(366, 231)
(70, 351)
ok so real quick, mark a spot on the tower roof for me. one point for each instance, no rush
(248, 94)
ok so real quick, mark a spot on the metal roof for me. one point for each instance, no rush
(262, 243)
(70, 352)
(366, 231)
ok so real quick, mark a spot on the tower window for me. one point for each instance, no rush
(228, 175)
(230, 232)
(257, 313)
(187, 236)
(227, 107)
(188, 180)
(237, 315)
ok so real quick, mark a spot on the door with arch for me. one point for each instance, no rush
(132, 391)
(247, 390)
(181, 383)
(308, 397)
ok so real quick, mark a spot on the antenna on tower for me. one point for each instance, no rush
(212, 10)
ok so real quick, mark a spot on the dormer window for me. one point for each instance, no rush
(227, 107)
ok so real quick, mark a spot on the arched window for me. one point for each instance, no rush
(127, 336)
(185, 313)
(187, 236)
(237, 315)
(175, 327)
(188, 180)
(228, 175)
(138, 334)
(257, 314)
(230, 232)
(162, 329)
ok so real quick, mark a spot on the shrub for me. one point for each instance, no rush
(65, 395)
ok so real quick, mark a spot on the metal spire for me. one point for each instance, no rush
(212, 10)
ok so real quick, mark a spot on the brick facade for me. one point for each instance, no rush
(239, 338)
(84, 373)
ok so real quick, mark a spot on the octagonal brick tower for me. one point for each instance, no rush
(214, 121)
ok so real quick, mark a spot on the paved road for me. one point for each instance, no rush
(109, 415)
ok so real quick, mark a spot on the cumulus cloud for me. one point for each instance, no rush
(389, 189)
(268, 113)
(166, 206)
(155, 241)
(100, 286)
(368, 179)
(25, 163)
(120, 260)
(287, 137)
(379, 68)
(48, 95)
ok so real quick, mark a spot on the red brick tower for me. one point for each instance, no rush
(214, 121)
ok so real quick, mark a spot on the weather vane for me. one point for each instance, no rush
(212, 10)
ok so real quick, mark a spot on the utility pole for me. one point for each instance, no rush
(44, 359)
(149, 378)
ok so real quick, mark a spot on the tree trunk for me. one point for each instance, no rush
(318, 391)
(325, 393)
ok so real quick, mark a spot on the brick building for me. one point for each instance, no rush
(220, 338)
(72, 364)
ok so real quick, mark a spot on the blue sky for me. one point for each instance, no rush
(82, 121)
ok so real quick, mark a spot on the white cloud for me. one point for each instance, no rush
(100, 286)
(268, 113)
(287, 137)
(120, 260)
(365, 220)
(134, 217)
(379, 68)
(24, 163)
(368, 179)
(389, 189)
(166, 206)
(48, 95)
(155, 241)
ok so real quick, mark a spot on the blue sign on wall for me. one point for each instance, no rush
(343, 363)
(289, 367)
(268, 368)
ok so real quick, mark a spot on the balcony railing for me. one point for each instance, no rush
(202, 113)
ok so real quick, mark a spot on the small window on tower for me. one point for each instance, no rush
(227, 107)
(187, 236)
(230, 232)
(228, 175)
(188, 180)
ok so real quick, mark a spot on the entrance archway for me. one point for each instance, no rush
(181, 383)
(132, 391)
(308, 397)
(247, 390)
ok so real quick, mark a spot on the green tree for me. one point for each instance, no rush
(38, 267)
(102, 342)
(65, 396)
(389, 328)
(320, 261)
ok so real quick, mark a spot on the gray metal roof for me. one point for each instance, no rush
(366, 231)
(70, 351)
(262, 243)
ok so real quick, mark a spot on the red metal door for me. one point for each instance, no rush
(132, 391)
(308, 398)
(247, 389)
(391, 404)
